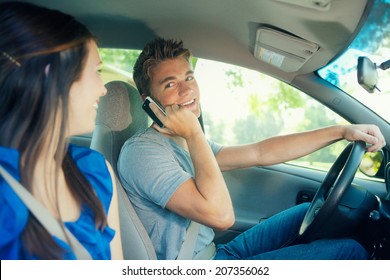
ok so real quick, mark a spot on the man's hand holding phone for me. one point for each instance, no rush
(149, 111)
(179, 121)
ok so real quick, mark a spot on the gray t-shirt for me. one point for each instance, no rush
(151, 168)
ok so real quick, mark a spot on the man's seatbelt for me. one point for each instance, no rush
(188, 246)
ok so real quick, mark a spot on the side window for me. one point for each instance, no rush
(241, 106)
(118, 64)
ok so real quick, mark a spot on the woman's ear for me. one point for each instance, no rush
(143, 96)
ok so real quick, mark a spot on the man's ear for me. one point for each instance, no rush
(143, 96)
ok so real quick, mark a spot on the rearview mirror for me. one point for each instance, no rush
(371, 163)
(367, 74)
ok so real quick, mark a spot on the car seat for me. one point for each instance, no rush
(120, 116)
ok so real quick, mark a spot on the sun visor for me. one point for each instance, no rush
(283, 50)
(319, 5)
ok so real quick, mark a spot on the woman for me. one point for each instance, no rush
(49, 90)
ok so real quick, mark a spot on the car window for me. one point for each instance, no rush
(118, 64)
(242, 106)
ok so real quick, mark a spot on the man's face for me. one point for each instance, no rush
(173, 82)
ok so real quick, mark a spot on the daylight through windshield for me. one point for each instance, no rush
(373, 41)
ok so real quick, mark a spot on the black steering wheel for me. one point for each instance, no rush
(316, 223)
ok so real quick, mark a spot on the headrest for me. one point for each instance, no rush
(119, 116)
(114, 107)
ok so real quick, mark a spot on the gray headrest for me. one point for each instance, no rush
(119, 116)
(114, 107)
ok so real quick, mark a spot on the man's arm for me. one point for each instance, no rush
(288, 147)
(205, 198)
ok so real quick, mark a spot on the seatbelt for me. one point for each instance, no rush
(207, 253)
(44, 216)
(187, 248)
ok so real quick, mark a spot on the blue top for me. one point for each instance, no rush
(151, 168)
(14, 214)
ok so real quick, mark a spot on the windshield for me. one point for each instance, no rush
(373, 41)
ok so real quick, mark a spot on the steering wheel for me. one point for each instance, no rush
(326, 200)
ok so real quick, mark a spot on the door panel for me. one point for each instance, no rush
(258, 193)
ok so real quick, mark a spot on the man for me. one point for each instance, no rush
(173, 174)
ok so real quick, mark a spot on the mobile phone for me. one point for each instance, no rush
(149, 111)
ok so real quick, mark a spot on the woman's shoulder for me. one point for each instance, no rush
(13, 214)
(9, 157)
(88, 160)
(80, 153)
(94, 167)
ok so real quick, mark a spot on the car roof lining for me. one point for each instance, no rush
(221, 31)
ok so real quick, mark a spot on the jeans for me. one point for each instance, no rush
(266, 241)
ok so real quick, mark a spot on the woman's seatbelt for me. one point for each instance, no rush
(44, 216)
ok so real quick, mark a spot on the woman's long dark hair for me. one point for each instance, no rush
(42, 53)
